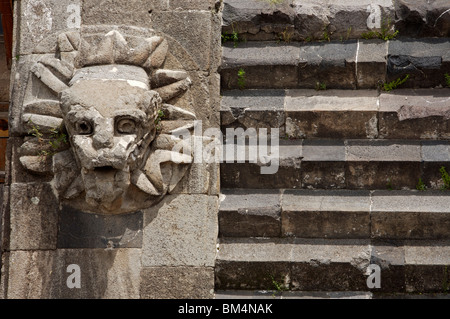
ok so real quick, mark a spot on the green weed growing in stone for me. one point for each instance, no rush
(321, 86)
(158, 119)
(279, 288)
(234, 37)
(389, 185)
(445, 178)
(421, 186)
(286, 35)
(447, 79)
(241, 79)
(385, 33)
(56, 140)
(394, 84)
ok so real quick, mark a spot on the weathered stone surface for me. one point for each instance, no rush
(326, 214)
(177, 282)
(421, 114)
(194, 5)
(323, 164)
(266, 65)
(426, 61)
(371, 63)
(382, 175)
(250, 213)
(401, 215)
(198, 47)
(257, 20)
(45, 18)
(33, 217)
(135, 12)
(422, 19)
(300, 20)
(81, 230)
(257, 263)
(331, 114)
(181, 231)
(253, 109)
(331, 64)
(108, 274)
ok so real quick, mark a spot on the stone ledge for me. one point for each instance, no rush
(300, 20)
(353, 64)
(343, 214)
(345, 164)
(303, 113)
(330, 265)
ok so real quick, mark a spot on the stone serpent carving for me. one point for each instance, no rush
(107, 146)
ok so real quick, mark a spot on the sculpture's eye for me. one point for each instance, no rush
(126, 126)
(83, 127)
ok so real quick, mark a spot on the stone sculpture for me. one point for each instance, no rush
(108, 148)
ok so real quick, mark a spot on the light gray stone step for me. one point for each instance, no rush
(340, 164)
(353, 64)
(306, 113)
(274, 294)
(331, 265)
(340, 214)
(313, 20)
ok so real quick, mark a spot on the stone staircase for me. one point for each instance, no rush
(360, 179)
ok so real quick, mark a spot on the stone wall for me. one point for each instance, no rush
(161, 243)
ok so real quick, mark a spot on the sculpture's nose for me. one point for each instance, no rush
(103, 136)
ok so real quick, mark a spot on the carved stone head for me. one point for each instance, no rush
(119, 158)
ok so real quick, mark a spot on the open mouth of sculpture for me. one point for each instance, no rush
(104, 169)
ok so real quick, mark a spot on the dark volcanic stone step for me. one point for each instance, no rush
(344, 164)
(314, 20)
(353, 64)
(344, 214)
(399, 114)
(331, 265)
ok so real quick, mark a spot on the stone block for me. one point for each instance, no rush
(86, 230)
(248, 175)
(177, 282)
(331, 114)
(326, 214)
(193, 4)
(198, 22)
(422, 19)
(417, 215)
(391, 260)
(382, 175)
(250, 213)
(371, 63)
(331, 64)
(115, 12)
(104, 274)
(181, 231)
(266, 65)
(42, 20)
(253, 109)
(415, 114)
(426, 61)
(33, 216)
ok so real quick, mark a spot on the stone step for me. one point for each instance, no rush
(297, 264)
(339, 214)
(309, 114)
(316, 20)
(288, 295)
(338, 164)
(353, 64)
